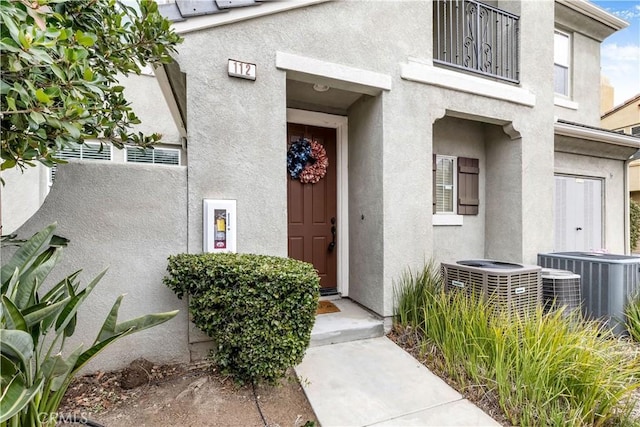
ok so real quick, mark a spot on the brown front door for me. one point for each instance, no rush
(312, 210)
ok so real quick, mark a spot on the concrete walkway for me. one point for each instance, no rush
(373, 382)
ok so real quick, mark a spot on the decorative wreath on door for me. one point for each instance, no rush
(307, 161)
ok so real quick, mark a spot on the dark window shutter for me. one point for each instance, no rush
(468, 187)
(435, 164)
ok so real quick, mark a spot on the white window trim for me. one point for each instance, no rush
(562, 101)
(423, 71)
(449, 218)
(569, 94)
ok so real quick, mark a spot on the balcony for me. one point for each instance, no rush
(476, 37)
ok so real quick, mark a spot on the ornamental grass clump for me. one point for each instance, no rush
(632, 317)
(259, 310)
(543, 369)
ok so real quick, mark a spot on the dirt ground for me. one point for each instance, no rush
(187, 395)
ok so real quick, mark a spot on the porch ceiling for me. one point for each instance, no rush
(334, 101)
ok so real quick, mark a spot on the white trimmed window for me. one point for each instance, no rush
(455, 189)
(561, 63)
(445, 192)
(86, 151)
(162, 156)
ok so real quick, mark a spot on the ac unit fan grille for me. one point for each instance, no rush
(518, 291)
(561, 292)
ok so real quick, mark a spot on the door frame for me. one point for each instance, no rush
(340, 124)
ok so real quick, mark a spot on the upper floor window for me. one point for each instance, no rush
(635, 131)
(445, 184)
(561, 60)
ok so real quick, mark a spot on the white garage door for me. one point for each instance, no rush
(578, 211)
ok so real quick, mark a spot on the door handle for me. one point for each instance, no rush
(578, 228)
(332, 245)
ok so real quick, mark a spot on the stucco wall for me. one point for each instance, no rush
(584, 68)
(147, 101)
(129, 218)
(237, 128)
(366, 219)
(408, 116)
(504, 197)
(462, 138)
(612, 173)
(22, 195)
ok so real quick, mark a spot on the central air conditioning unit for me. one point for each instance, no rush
(560, 288)
(514, 287)
(607, 282)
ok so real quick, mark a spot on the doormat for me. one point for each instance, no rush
(325, 307)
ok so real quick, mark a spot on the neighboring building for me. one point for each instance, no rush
(453, 130)
(606, 95)
(625, 118)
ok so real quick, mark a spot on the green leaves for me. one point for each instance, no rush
(258, 309)
(16, 396)
(35, 374)
(60, 62)
(543, 369)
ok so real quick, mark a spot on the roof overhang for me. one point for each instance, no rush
(197, 23)
(576, 139)
(594, 12)
(173, 84)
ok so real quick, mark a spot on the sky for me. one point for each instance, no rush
(620, 52)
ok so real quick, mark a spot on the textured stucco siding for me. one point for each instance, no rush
(366, 219)
(128, 218)
(237, 128)
(462, 138)
(584, 82)
(21, 195)
(147, 101)
(408, 115)
(614, 199)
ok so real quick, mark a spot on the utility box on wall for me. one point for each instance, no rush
(219, 228)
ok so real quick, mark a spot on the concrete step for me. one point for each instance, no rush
(350, 324)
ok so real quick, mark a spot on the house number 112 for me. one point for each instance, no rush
(244, 70)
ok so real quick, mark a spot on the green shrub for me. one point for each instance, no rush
(634, 223)
(632, 317)
(259, 310)
(545, 369)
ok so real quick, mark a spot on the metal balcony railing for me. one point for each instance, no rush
(476, 37)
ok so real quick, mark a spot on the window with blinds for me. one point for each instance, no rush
(445, 185)
(562, 61)
(162, 156)
(456, 185)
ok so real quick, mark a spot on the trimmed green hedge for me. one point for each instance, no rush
(258, 309)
